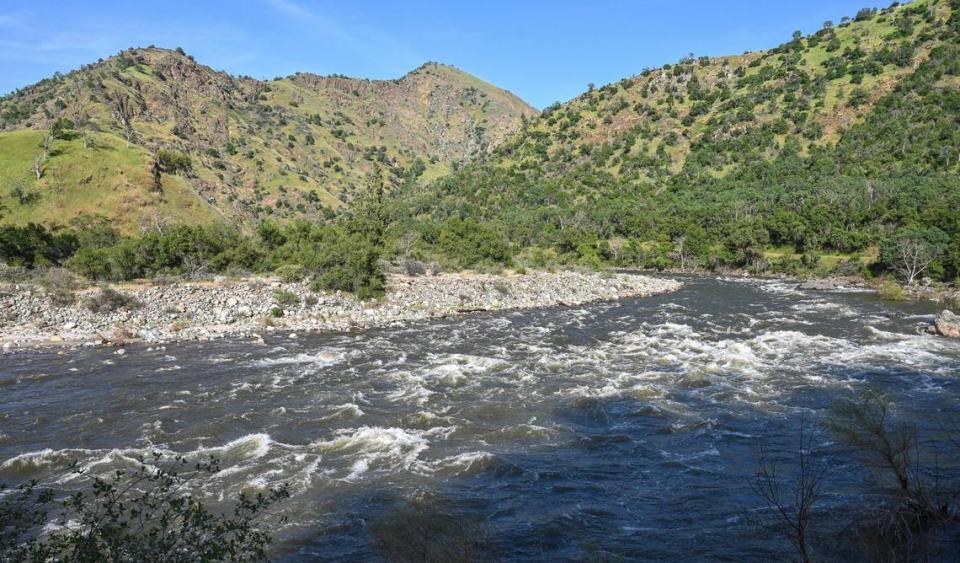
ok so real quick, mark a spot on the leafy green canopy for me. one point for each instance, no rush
(740, 190)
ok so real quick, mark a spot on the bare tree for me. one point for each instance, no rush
(42, 157)
(123, 112)
(914, 256)
(792, 504)
(911, 251)
(154, 221)
(915, 507)
(681, 252)
(38, 166)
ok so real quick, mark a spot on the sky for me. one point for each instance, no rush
(543, 51)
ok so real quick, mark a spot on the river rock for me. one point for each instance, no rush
(203, 311)
(947, 324)
(819, 285)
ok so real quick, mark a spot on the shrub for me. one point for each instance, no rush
(62, 128)
(286, 298)
(892, 291)
(469, 242)
(59, 285)
(276, 312)
(182, 250)
(137, 515)
(171, 161)
(291, 273)
(414, 268)
(108, 300)
(35, 245)
(502, 288)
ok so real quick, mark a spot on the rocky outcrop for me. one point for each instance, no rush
(947, 324)
(250, 307)
(826, 284)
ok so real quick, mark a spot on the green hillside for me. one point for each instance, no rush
(842, 143)
(152, 136)
(837, 152)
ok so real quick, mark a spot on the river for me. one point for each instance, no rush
(627, 428)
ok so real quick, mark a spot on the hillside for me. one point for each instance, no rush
(712, 113)
(839, 144)
(150, 137)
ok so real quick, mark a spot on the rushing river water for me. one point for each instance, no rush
(629, 428)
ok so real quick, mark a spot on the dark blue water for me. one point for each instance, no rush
(627, 429)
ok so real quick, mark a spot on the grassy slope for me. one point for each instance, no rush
(286, 148)
(109, 179)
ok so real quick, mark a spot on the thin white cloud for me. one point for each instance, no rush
(372, 44)
(300, 12)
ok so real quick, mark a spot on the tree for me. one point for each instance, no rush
(38, 166)
(746, 243)
(42, 157)
(172, 162)
(681, 252)
(793, 506)
(469, 242)
(913, 251)
(916, 505)
(123, 112)
(62, 128)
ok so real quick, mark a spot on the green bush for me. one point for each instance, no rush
(892, 291)
(35, 245)
(172, 161)
(138, 515)
(62, 128)
(182, 250)
(469, 242)
(291, 273)
(286, 298)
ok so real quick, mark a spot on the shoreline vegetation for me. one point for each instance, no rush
(249, 308)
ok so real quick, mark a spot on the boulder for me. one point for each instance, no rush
(947, 324)
(819, 285)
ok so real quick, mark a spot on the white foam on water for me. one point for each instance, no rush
(345, 411)
(453, 369)
(33, 460)
(244, 449)
(411, 388)
(464, 463)
(375, 447)
(821, 307)
(712, 451)
(648, 362)
(323, 358)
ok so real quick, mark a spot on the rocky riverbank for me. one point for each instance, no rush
(32, 317)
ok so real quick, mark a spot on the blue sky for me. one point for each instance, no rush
(543, 51)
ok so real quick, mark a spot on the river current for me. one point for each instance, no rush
(627, 429)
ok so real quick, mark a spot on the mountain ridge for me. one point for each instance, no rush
(298, 146)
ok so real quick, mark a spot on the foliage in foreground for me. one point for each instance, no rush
(143, 515)
(905, 516)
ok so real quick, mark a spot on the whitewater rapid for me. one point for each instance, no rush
(580, 424)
